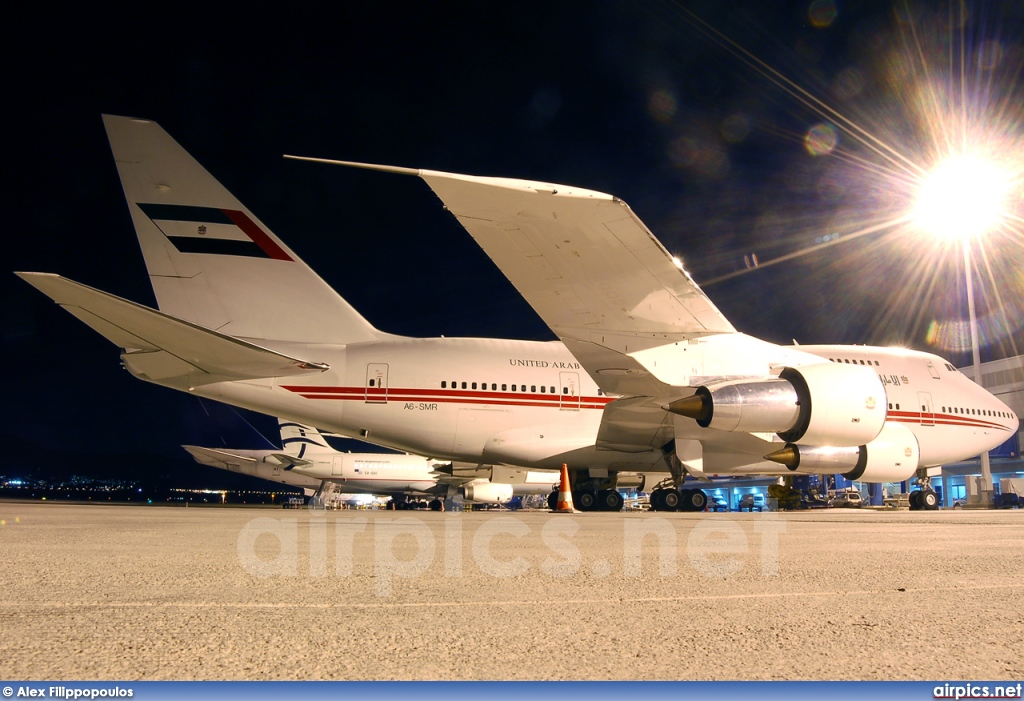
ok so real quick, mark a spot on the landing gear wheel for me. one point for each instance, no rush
(435, 504)
(684, 500)
(671, 499)
(609, 500)
(928, 500)
(585, 499)
(657, 500)
(915, 500)
(695, 499)
(553, 501)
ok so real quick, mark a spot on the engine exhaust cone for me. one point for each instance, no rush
(788, 456)
(693, 407)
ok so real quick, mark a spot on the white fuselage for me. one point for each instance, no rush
(531, 404)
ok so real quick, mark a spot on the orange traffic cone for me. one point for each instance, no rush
(564, 493)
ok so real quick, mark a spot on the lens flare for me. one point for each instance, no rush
(916, 151)
(821, 140)
(964, 197)
(822, 13)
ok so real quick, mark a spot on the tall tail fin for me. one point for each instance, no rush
(210, 260)
(298, 440)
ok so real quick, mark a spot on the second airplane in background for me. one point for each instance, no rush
(307, 460)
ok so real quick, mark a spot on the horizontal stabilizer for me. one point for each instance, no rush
(161, 347)
(290, 461)
(217, 458)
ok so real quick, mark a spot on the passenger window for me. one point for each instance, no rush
(494, 386)
(565, 390)
(897, 406)
(552, 390)
(542, 388)
(504, 387)
(474, 385)
(443, 384)
(463, 385)
(533, 388)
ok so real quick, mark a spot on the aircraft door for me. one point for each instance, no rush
(377, 383)
(570, 386)
(927, 413)
(337, 466)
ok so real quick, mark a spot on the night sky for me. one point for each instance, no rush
(732, 129)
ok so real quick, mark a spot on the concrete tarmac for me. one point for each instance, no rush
(145, 593)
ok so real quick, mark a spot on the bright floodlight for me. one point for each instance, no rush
(963, 198)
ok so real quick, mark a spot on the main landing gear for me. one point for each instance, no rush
(589, 494)
(671, 499)
(925, 498)
(595, 499)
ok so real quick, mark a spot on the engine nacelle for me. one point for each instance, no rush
(487, 492)
(892, 457)
(820, 404)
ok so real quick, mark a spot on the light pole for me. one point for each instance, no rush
(986, 468)
(964, 198)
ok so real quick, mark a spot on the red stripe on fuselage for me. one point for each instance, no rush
(443, 396)
(911, 417)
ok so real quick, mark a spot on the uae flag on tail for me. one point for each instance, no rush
(226, 232)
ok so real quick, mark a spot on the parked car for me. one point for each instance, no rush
(813, 501)
(848, 499)
(751, 502)
(717, 504)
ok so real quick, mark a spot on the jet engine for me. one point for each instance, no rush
(487, 492)
(892, 457)
(820, 404)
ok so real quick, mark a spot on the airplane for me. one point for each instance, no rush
(648, 375)
(307, 460)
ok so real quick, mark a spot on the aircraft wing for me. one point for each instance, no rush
(582, 259)
(585, 263)
(164, 348)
